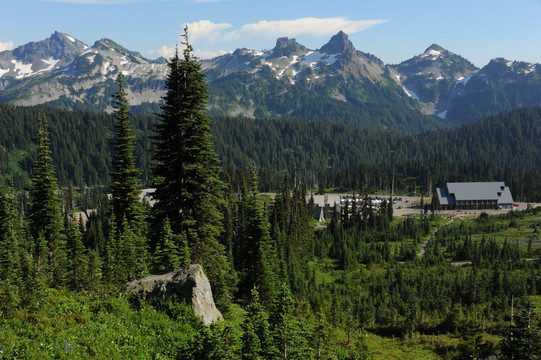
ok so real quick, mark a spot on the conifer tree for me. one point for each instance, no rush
(94, 274)
(125, 253)
(10, 236)
(45, 208)
(127, 244)
(251, 346)
(166, 256)
(256, 339)
(125, 187)
(186, 172)
(217, 343)
(11, 252)
(286, 331)
(258, 255)
(78, 260)
(113, 266)
(228, 235)
(523, 338)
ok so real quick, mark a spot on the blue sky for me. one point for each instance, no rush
(393, 30)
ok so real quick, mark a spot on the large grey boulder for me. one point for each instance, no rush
(190, 284)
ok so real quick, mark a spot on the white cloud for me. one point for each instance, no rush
(206, 34)
(272, 29)
(164, 51)
(305, 26)
(6, 45)
(167, 52)
(205, 28)
(203, 54)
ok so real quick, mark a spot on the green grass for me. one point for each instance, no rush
(81, 327)
(383, 348)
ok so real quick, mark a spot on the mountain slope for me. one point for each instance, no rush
(501, 85)
(89, 79)
(335, 83)
(38, 58)
(430, 76)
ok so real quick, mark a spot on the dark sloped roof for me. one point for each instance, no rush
(444, 198)
(481, 191)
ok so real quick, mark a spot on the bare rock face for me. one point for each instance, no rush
(190, 284)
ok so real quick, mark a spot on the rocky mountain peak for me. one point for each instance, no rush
(288, 47)
(58, 46)
(108, 44)
(339, 43)
(434, 47)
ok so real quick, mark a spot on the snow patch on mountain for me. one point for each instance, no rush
(314, 57)
(24, 70)
(410, 93)
(530, 69)
(124, 60)
(264, 55)
(463, 80)
(105, 68)
(51, 64)
(21, 69)
(289, 66)
(442, 115)
(434, 54)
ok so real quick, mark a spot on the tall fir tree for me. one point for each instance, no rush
(11, 239)
(125, 188)
(257, 342)
(45, 213)
(166, 255)
(523, 338)
(186, 171)
(287, 337)
(77, 255)
(259, 257)
(128, 239)
(11, 250)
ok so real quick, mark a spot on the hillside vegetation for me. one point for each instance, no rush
(324, 155)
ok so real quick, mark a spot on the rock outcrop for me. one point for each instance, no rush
(190, 284)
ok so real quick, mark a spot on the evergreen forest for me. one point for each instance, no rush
(236, 196)
(326, 156)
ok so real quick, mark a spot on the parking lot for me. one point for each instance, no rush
(408, 205)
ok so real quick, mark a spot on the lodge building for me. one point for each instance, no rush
(475, 196)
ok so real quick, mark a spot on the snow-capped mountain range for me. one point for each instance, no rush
(333, 83)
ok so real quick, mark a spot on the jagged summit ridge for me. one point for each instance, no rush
(338, 44)
(429, 77)
(39, 57)
(63, 71)
(287, 47)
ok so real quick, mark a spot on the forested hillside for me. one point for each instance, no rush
(81, 143)
(503, 147)
(353, 290)
(325, 155)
